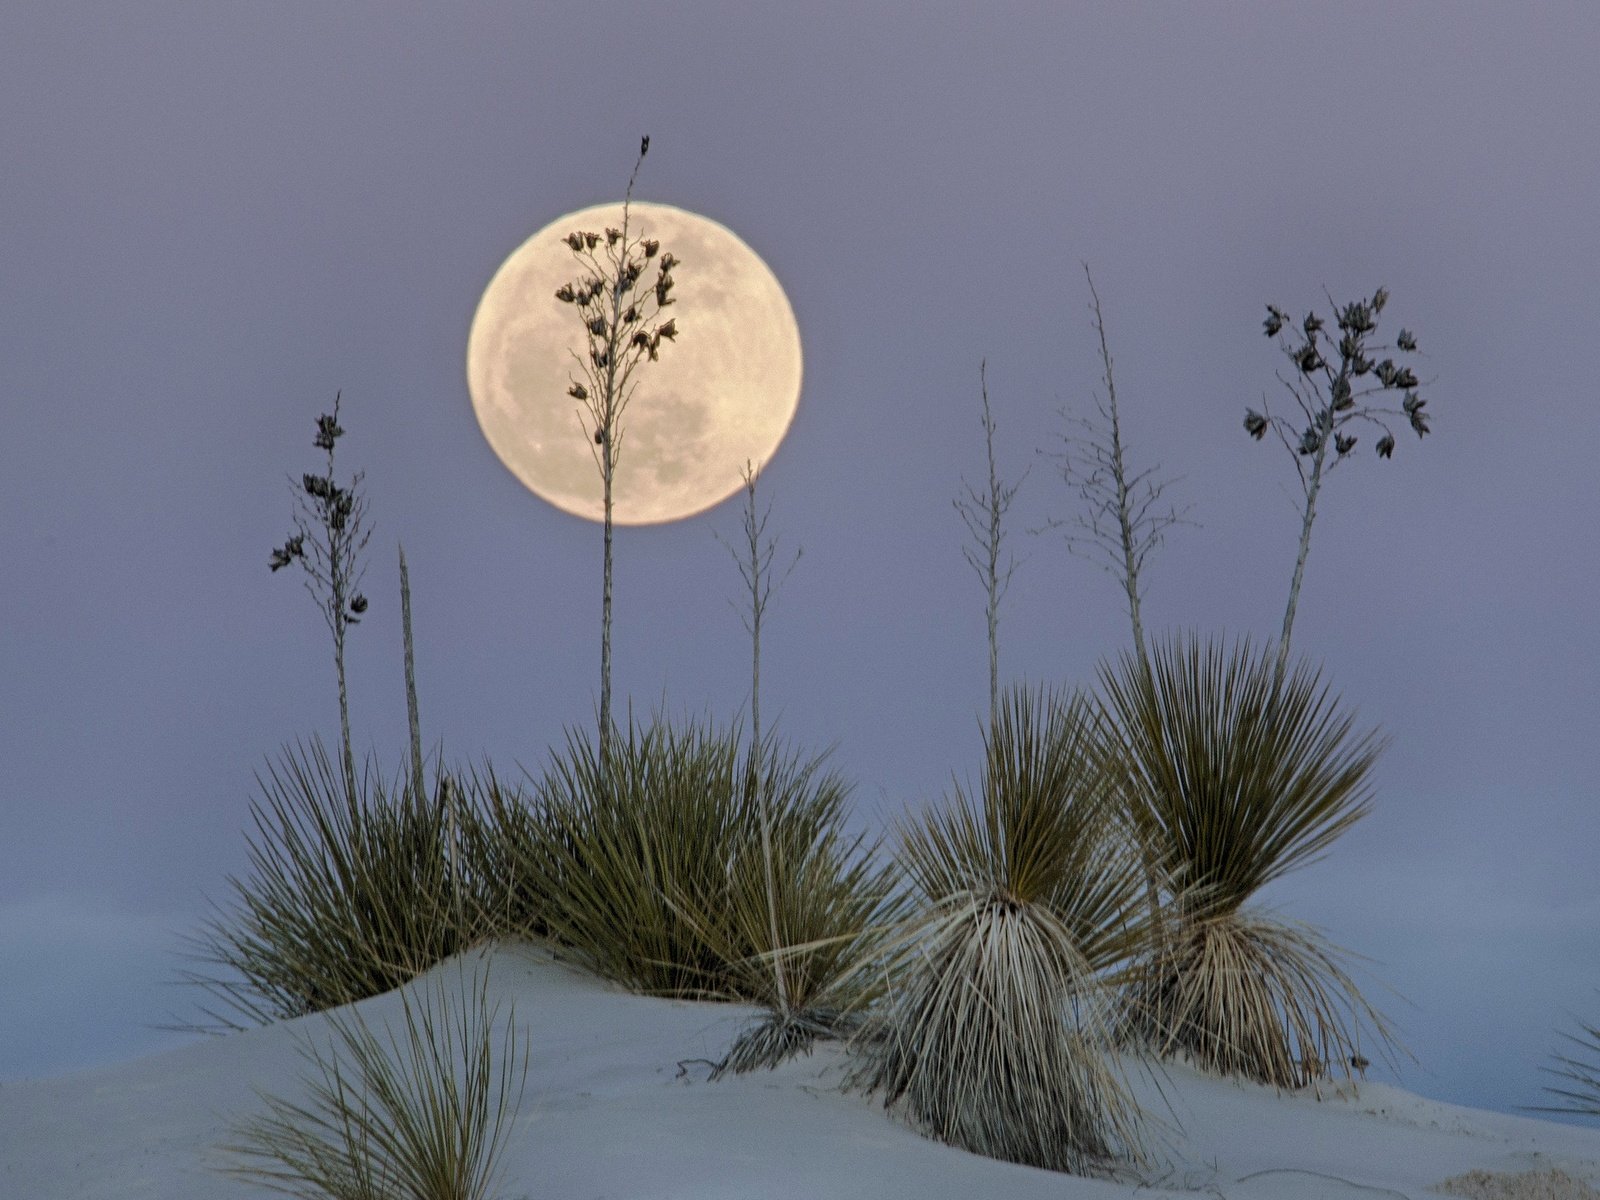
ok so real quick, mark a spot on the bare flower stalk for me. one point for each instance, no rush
(754, 558)
(984, 514)
(449, 794)
(1331, 380)
(619, 310)
(413, 719)
(1122, 518)
(328, 542)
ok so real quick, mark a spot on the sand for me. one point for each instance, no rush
(618, 1106)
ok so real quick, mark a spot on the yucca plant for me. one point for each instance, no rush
(1578, 1073)
(1230, 779)
(802, 910)
(344, 900)
(997, 1034)
(653, 875)
(421, 1113)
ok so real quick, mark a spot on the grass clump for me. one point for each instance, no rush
(416, 1114)
(650, 872)
(347, 898)
(590, 855)
(1231, 778)
(997, 1034)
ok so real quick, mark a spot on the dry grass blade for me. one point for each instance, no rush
(1246, 994)
(997, 1040)
(997, 1034)
(420, 1114)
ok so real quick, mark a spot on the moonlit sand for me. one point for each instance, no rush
(618, 1106)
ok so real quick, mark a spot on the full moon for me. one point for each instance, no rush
(720, 396)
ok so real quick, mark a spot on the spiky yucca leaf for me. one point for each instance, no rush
(421, 1113)
(345, 900)
(1230, 779)
(996, 1036)
(496, 816)
(1578, 1072)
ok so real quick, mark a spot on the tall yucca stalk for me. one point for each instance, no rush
(449, 790)
(619, 307)
(997, 1037)
(754, 558)
(329, 540)
(1231, 778)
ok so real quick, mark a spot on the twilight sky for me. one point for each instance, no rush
(214, 216)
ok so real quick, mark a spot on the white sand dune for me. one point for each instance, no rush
(618, 1107)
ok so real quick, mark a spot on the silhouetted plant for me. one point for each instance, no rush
(984, 514)
(1231, 779)
(1332, 381)
(328, 542)
(998, 1032)
(619, 307)
(754, 555)
(421, 1113)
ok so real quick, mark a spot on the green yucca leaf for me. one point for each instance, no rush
(1045, 829)
(347, 897)
(1231, 779)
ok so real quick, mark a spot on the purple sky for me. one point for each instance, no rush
(214, 216)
